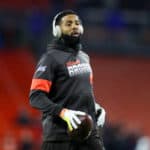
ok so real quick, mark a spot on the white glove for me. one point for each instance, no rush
(71, 118)
(101, 114)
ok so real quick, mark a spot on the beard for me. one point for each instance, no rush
(71, 41)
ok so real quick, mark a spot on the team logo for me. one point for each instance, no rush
(41, 68)
(75, 68)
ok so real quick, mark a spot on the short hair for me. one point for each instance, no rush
(61, 14)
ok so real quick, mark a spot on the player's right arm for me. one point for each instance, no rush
(42, 82)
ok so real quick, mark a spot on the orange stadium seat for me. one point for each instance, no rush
(16, 72)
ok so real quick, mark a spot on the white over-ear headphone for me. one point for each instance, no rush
(56, 28)
(81, 29)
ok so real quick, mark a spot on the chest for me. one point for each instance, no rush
(74, 67)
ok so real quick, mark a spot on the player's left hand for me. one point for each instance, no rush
(100, 114)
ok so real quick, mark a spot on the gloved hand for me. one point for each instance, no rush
(71, 118)
(100, 114)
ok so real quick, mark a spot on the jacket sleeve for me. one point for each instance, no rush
(41, 85)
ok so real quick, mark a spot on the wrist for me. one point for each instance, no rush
(62, 112)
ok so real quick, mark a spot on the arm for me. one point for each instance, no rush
(41, 86)
(40, 100)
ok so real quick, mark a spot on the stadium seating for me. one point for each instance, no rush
(16, 72)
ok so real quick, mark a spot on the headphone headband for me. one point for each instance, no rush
(61, 14)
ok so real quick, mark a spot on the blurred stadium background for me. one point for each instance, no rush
(117, 37)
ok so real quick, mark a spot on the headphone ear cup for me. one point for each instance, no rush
(81, 29)
(55, 28)
(57, 31)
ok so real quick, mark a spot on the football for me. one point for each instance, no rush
(84, 129)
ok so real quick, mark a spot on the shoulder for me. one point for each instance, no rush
(55, 56)
(58, 54)
(50, 54)
(84, 55)
(46, 58)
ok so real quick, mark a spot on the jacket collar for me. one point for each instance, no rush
(59, 44)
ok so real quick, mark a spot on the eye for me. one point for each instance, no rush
(78, 23)
(68, 24)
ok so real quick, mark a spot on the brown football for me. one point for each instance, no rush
(84, 129)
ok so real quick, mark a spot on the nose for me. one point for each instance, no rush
(74, 26)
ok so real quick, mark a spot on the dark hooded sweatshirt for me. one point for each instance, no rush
(62, 79)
